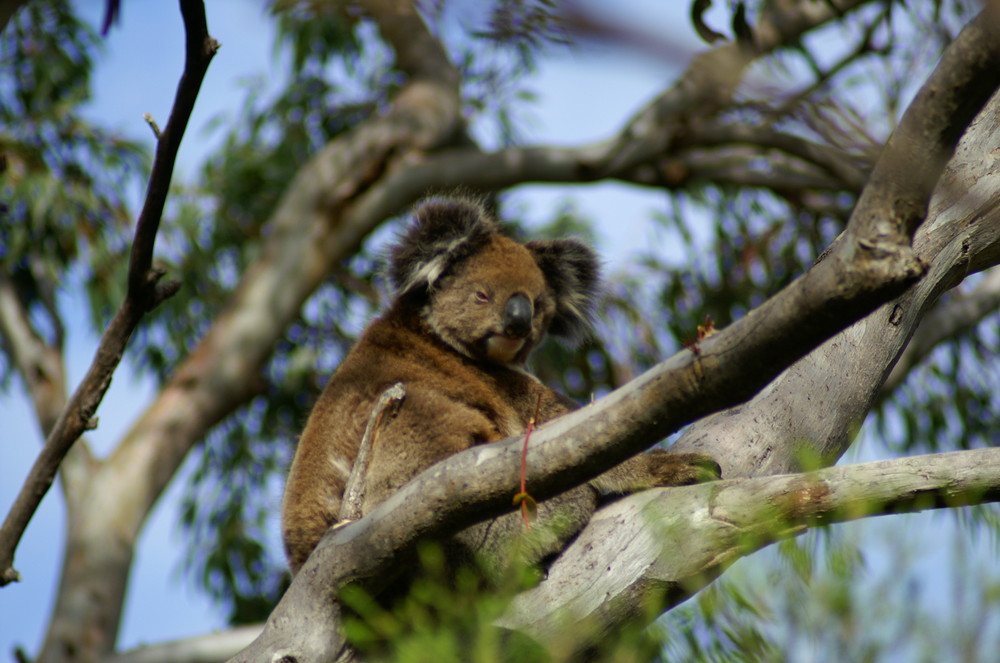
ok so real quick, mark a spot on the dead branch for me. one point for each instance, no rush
(385, 408)
(144, 293)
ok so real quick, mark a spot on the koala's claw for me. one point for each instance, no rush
(683, 469)
(710, 470)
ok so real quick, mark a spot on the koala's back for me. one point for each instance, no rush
(451, 404)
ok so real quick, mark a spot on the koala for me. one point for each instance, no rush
(470, 305)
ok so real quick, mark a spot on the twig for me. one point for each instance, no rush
(152, 125)
(523, 498)
(385, 408)
(144, 294)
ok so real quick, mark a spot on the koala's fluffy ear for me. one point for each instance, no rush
(573, 272)
(444, 232)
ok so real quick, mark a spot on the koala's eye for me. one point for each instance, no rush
(482, 297)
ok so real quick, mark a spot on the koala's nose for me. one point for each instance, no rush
(517, 317)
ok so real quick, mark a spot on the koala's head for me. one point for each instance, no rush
(485, 295)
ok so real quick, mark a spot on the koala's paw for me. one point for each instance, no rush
(682, 469)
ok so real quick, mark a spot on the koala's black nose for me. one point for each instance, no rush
(517, 317)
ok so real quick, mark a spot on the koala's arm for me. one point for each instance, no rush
(312, 498)
(657, 468)
(319, 472)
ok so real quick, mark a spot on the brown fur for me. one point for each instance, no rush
(471, 304)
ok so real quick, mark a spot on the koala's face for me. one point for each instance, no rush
(485, 295)
(496, 306)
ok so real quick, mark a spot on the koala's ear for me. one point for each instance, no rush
(444, 232)
(573, 272)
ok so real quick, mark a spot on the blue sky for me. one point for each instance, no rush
(581, 98)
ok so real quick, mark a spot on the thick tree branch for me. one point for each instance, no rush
(682, 538)
(669, 543)
(208, 648)
(948, 319)
(895, 202)
(797, 409)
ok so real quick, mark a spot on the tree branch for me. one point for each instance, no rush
(386, 407)
(948, 319)
(418, 53)
(665, 531)
(711, 80)
(39, 364)
(850, 174)
(143, 294)
(895, 202)
(208, 648)
(802, 409)
(671, 542)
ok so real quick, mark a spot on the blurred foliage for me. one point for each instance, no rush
(951, 401)
(755, 245)
(858, 592)
(448, 616)
(719, 250)
(495, 45)
(63, 180)
(831, 595)
(227, 521)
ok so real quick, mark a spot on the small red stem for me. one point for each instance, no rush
(524, 463)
